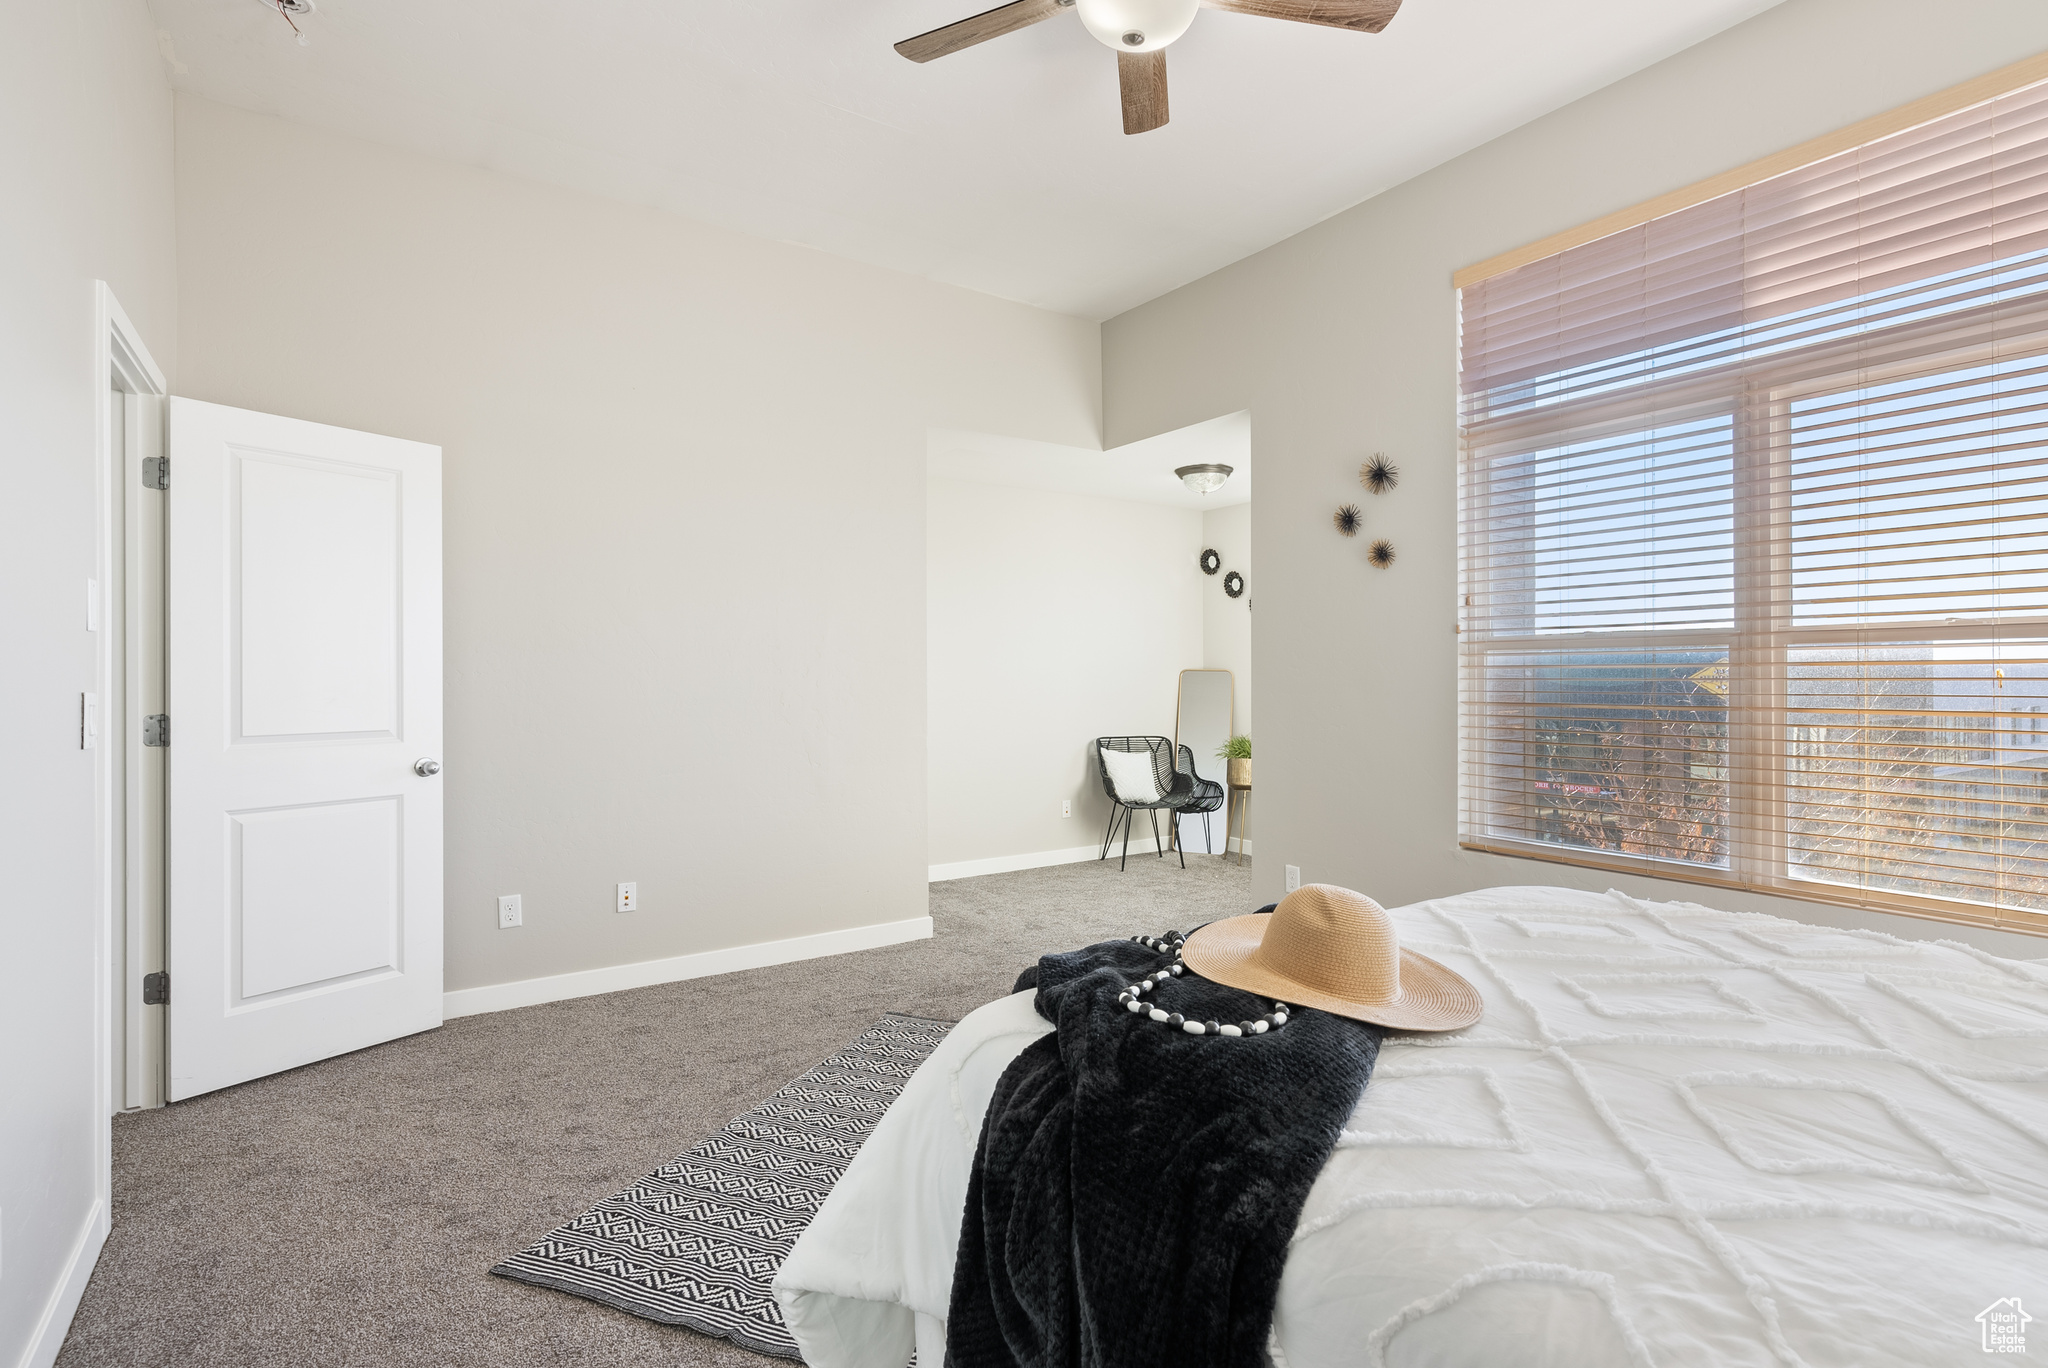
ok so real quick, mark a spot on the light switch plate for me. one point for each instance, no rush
(629, 897)
(88, 721)
(1066, 807)
(1293, 877)
(509, 914)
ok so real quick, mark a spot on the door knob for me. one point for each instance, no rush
(426, 768)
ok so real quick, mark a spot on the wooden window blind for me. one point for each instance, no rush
(1754, 534)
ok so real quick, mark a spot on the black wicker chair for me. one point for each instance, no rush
(1207, 798)
(1175, 790)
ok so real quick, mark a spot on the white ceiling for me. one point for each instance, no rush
(1141, 471)
(1003, 168)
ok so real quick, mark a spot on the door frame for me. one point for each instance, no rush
(120, 362)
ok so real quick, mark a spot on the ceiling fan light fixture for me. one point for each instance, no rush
(1137, 25)
(1203, 478)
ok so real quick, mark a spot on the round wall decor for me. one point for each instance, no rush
(1211, 562)
(1379, 474)
(1349, 519)
(1382, 554)
(1233, 584)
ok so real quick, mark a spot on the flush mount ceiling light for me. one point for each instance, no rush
(1203, 478)
(288, 8)
(1139, 30)
(1136, 25)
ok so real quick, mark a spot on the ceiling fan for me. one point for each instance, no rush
(1139, 30)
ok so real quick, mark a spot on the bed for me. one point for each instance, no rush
(1679, 1136)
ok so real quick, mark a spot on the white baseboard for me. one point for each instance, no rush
(48, 1336)
(1005, 864)
(498, 997)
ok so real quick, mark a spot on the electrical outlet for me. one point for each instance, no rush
(629, 897)
(509, 914)
(1293, 877)
(1066, 807)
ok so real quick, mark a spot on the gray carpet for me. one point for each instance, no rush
(698, 1242)
(346, 1213)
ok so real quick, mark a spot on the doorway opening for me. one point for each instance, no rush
(125, 609)
(1067, 590)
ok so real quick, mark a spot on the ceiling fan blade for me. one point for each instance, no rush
(1361, 16)
(980, 28)
(1143, 78)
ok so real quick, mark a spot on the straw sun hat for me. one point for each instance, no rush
(1331, 948)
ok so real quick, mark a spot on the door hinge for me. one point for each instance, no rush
(156, 729)
(156, 988)
(156, 472)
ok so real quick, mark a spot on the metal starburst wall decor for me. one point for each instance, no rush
(1379, 474)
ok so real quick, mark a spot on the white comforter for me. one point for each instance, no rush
(1678, 1137)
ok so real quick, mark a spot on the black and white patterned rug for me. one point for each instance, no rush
(697, 1242)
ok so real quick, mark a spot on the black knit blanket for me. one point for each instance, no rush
(1135, 1187)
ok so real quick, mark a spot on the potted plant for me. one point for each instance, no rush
(1238, 751)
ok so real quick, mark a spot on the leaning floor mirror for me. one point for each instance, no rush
(1202, 723)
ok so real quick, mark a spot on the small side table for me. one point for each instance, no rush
(1243, 807)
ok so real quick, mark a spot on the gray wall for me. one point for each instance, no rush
(1227, 640)
(85, 194)
(1227, 621)
(685, 505)
(1343, 340)
(1051, 619)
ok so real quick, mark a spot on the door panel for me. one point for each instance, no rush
(316, 589)
(317, 895)
(304, 681)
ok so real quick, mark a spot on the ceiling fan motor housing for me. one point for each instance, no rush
(1137, 25)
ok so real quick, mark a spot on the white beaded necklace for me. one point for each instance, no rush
(1133, 997)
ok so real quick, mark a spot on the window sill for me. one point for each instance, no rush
(1924, 909)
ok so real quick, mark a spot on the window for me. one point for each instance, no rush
(1754, 533)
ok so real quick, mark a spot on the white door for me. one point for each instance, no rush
(304, 683)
